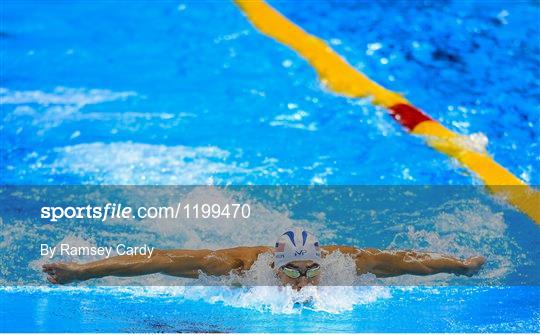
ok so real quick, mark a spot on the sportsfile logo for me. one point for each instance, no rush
(120, 211)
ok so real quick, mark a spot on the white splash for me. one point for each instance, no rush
(285, 300)
(463, 228)
(62, 96)
(123, 163)
(293, 120)
(49, 109)
(475, 142)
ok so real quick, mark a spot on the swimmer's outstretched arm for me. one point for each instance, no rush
(180, 263)
(389, 263)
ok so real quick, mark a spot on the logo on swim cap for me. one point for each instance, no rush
(296, 245)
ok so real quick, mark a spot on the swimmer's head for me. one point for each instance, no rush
(297, 257)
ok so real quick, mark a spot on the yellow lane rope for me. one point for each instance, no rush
(340, 77)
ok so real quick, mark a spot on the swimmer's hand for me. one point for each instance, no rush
(62, 273)
(473, 265)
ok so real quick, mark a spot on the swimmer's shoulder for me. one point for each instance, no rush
(247, 255)
(348, 250)
(329, 249)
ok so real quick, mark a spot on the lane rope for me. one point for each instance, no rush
(340, 77)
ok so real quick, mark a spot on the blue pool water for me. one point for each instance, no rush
(429, 310)
(193, 85)
(174, 92)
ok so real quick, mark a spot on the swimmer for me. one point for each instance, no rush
(297, 257)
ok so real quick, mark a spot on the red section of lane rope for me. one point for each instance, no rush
(408, 116)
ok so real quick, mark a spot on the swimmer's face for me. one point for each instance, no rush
(303, 267)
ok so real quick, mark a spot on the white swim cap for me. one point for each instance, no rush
(296, 245)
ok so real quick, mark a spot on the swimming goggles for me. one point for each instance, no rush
(296, 273)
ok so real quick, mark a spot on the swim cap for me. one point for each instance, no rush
(296, 245)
